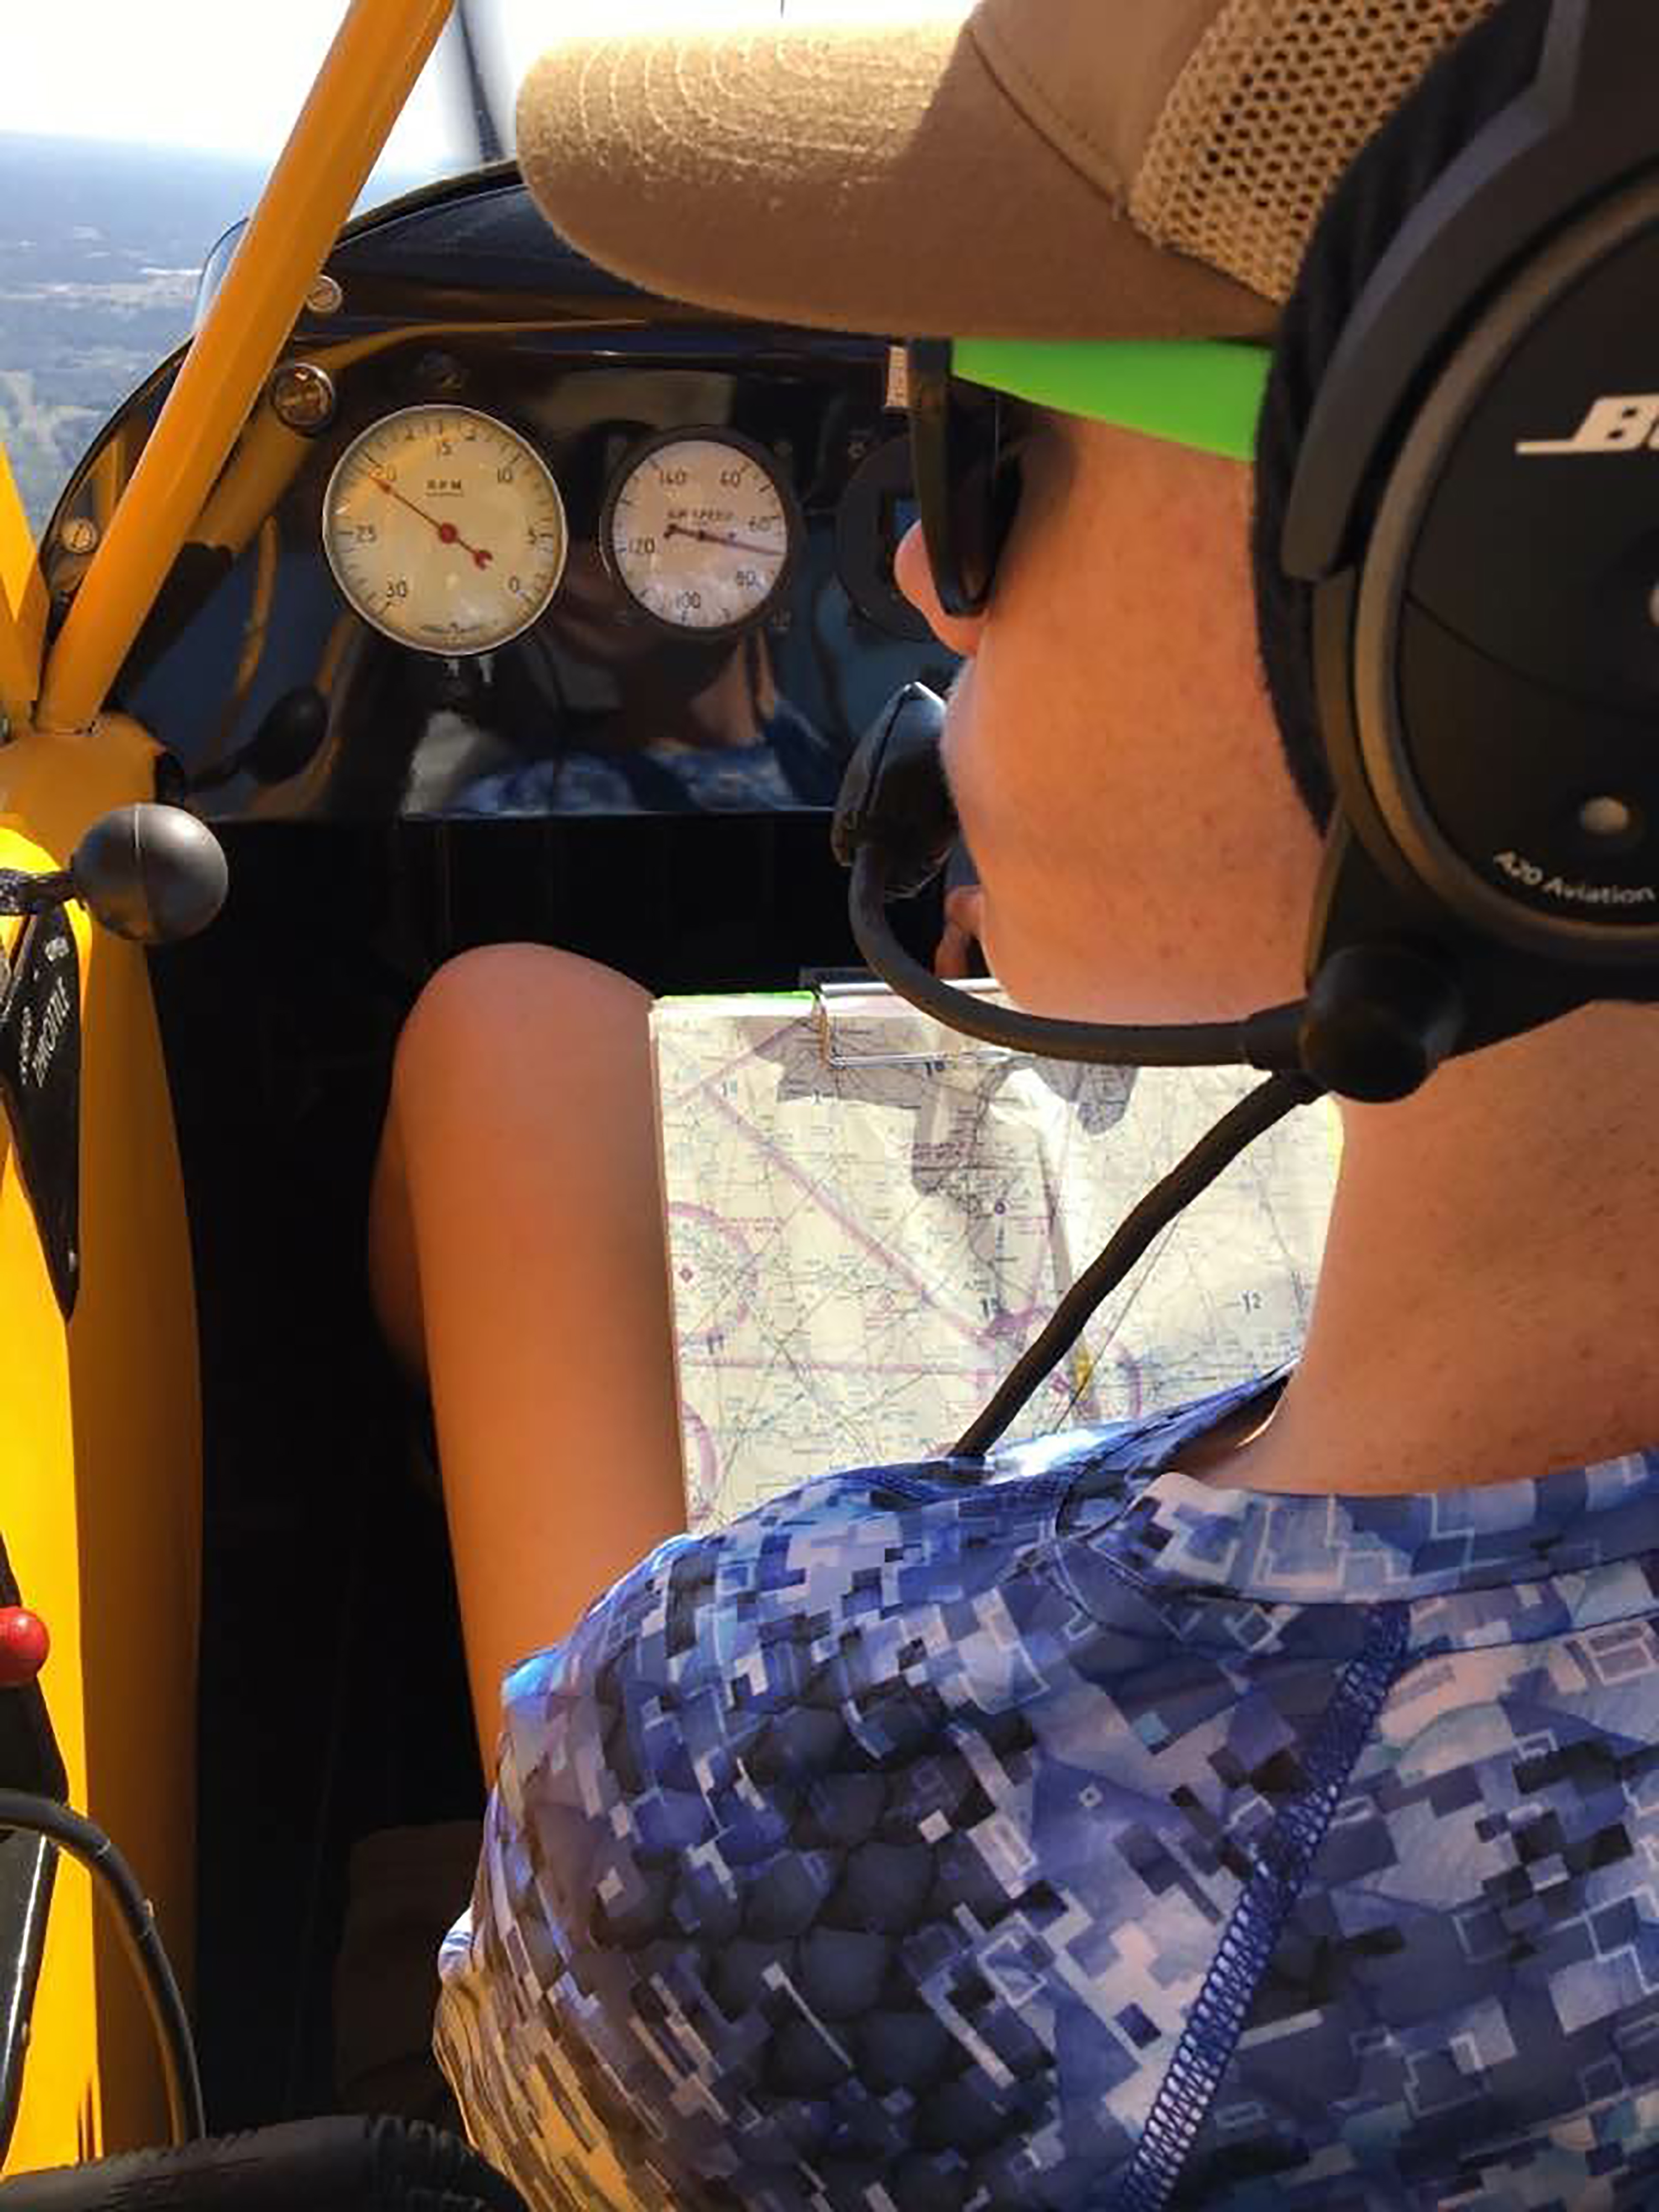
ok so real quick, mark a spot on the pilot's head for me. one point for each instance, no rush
(1131, 746)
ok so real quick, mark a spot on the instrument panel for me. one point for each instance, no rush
(509, 538)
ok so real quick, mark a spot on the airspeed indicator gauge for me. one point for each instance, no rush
(699, 529)
(445, 530)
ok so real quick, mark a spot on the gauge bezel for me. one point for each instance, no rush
(459, 410)
(794, 524)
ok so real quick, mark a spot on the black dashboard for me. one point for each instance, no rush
(303, 661)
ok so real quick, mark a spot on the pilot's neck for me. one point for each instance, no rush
(1488, 1308)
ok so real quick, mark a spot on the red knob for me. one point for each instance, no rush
(24, 1645)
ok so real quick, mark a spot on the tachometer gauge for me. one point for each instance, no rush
(699, 529)
(445, 530)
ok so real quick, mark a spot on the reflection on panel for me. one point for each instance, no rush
(539, 547)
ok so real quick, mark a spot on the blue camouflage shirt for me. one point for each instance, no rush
(1063, 1831)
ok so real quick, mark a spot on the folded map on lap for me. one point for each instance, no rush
(870, 1218)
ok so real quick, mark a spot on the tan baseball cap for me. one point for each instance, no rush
(1036, 168)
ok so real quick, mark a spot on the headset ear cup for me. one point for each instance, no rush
(1470, 84)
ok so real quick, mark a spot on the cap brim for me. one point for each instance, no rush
(847, 177)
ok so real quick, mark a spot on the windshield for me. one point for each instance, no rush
(131, 139)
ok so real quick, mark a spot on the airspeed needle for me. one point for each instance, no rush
(713, 538)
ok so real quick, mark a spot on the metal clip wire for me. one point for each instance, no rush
(874, 996)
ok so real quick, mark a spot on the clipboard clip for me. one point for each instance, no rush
(841, 993)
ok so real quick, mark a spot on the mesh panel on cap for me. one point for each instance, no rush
(1276, 101)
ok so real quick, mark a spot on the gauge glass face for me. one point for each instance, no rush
(699, 533)
(445, 530)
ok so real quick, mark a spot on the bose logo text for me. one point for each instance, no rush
(1612, 426)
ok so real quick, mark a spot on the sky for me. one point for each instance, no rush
(226, 76)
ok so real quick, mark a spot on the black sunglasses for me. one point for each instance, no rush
(966, 477)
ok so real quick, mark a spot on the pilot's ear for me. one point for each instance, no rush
(958, 633)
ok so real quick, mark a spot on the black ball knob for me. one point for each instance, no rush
(1379, 1019)
(152, 873)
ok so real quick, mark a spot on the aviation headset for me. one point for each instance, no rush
(1457, 554)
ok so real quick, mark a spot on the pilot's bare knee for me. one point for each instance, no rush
(508, 1017)
(515, 988)
(524, 1073)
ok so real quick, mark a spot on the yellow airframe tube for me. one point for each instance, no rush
(381, 50)
(22, 602)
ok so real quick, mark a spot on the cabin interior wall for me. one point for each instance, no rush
(333, 1692)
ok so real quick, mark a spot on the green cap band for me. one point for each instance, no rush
(1203, 392)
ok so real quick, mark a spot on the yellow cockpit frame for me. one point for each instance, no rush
(100, 1416)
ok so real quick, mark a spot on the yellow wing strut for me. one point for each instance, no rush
(381, 50)
(23, 602)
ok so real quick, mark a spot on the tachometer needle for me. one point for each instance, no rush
(447, 533)
(713, 538)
